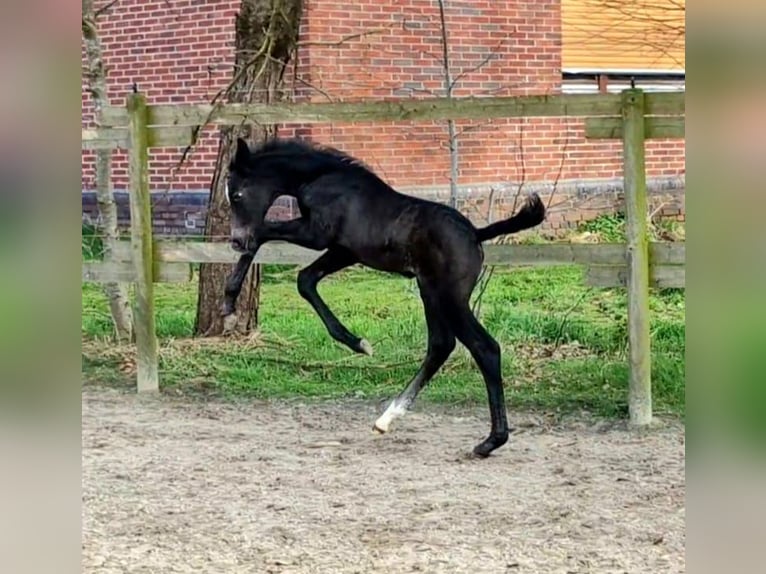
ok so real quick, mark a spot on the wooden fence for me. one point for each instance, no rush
(632, 116)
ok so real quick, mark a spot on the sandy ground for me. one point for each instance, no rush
(182, 485)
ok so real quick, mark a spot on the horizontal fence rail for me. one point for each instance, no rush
(559, 105)
(660, 276)
(654, 127)
(606, 263)
(662, 253)
(112, 138)
(124, 272)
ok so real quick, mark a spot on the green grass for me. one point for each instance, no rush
(92, 245)
(563, 343)
(610, 228)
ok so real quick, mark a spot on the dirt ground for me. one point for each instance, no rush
(185, 485)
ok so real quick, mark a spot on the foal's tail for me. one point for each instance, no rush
(531, 213)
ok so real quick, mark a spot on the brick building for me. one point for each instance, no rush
(181, 51)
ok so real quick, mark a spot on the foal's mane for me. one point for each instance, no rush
(298, 150)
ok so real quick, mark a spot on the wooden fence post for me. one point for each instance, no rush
(640, 383)
(141, 245)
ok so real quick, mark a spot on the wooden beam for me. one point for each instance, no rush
(660, 276)
(667, 253)
(577, 253)
(221, 252)
(125, 272)
(556, 105)
(661, 253)
(113, 138)
(664, 103)
(654, 127)
(141, 246)
(639, 342)
(104, 138)
(170, 136)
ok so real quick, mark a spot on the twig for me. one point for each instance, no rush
(473, 127)
(445, 51)
(267, 43)
(344, 39)
(313, 87)
(484, 284)
(523, 164)
(243, 69)
(567, 313)
(485, 276)
(335, 364)
(488, 58)
(656, 211)
(297, 78)
(491, 205)
(561, 165)
(103, 9)
(451, 132)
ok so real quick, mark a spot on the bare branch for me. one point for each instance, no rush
(486, 271)
(95, 74)
(473, 128)
(314, 87)
(656, 24)
(523, 164)
(445, 51)
(345, 39)
(216, 103)
(561, 166)
(560, 330)
(448, 85)
(263, 52)
(491, 206)
(484, 61)
(104, 8)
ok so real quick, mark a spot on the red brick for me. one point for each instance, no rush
(183, 52)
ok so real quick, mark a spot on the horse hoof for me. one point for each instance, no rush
(492, 442)
(226, 310)
(229, 323)
(365, 347)
(481, 451)
(377, 430)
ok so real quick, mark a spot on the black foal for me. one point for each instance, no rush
(355, 217)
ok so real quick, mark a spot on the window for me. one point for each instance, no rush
(585, 81)
(606, 43)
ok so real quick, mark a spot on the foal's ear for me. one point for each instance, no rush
(242, 154)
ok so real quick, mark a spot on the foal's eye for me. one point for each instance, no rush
(236, 196)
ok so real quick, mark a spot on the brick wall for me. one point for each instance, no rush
(181, 52)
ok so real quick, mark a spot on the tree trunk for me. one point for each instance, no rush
(266, 38)
(116, 293)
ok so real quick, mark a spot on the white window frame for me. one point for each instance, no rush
(650, 80)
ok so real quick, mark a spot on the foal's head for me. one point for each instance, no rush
(276, 167)
(251, 188)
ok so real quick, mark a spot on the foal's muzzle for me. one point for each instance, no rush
(239, 244)
(240, 238)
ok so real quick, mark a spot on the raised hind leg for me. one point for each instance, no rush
(333, 260)
(486, 352)
(441, 343)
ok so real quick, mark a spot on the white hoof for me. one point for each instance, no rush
(366, 347)
(229, 323)
(394, 410)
